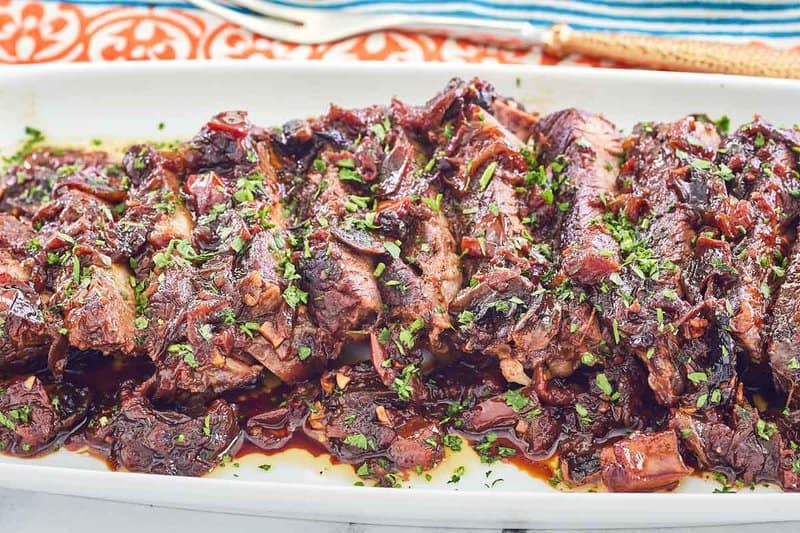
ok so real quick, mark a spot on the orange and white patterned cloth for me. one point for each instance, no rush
(38, 31)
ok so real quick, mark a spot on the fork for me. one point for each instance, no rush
(315, 26)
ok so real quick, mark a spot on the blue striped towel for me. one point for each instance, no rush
(773, 20)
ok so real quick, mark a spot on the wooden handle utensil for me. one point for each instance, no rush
(675, 54)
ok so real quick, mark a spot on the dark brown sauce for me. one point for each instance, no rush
(298, 441)
(540, 470)
(104, 375)
(535, 468)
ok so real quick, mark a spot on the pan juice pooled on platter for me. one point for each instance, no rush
(614, 309)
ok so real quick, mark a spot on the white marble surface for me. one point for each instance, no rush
(30, 512)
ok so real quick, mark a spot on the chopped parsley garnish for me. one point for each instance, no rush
(401, 384)
(185, 352)
(516, 400)
(184, 249)
(359, 440)
(347, 174)
(723, 172)
(6, 422)
(238, 244)
(487, 175)
(697, 377)
(384, 335)
(465, 318)
(583, 414)
(723, 124)
(248, 187)
(249, 328)
(490, 452)
(765, 430)
(454, 442)
(228, 316)
(392, 249)
(293, 296)
(303, 353)
(434, 204)
(458, 473)
(615, 330)
(605, 386)
(320, 165)
(204, 331)
(701, 400)
(33, 138)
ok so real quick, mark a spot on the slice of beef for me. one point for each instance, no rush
(139, 438)
(30, 183)
(782, 350)
(238, 210)
(398, 339)
(503, 315)
(191, 335)
(434, 250)
(98, 308)
(342, 293)
(417, 273)
(580, 152)
(359, 421)
(24, 338)
(34, 415)
(288, 343)
(513, 116)
(741, 445)
(483, 165)
(272, 428)
(416, 304)
(762, 167)
(92, 302)
(155, 215)
(426, 238)
(18, 243)
(590, 147)
(643, 462)
(519, 411)
(645, 306)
